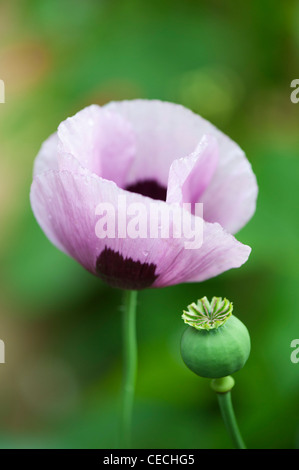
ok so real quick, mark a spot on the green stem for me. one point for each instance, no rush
(223, 388)
(228, 415)
(130, 366)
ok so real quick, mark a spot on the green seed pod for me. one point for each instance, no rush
(217, 343)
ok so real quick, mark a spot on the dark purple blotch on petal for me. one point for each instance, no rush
(124, 273)
(149, 188)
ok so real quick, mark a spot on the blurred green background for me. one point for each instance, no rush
(231, 62)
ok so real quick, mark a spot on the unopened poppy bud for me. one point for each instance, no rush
(216, 343)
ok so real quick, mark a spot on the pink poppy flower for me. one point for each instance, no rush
(151, 153)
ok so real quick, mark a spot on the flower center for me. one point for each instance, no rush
(149, 188)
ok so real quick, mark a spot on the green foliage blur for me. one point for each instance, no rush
(231, 62)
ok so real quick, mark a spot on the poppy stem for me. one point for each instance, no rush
(223, 388)
(130, 365)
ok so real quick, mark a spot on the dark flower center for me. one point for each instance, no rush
(148, 188)
(124, 273)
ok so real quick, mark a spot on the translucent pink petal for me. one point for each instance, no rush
(190, 176)
(47, 156)
(230, 199)
(101, 141)
(220, 252)
(166, 132)
(65, 205)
